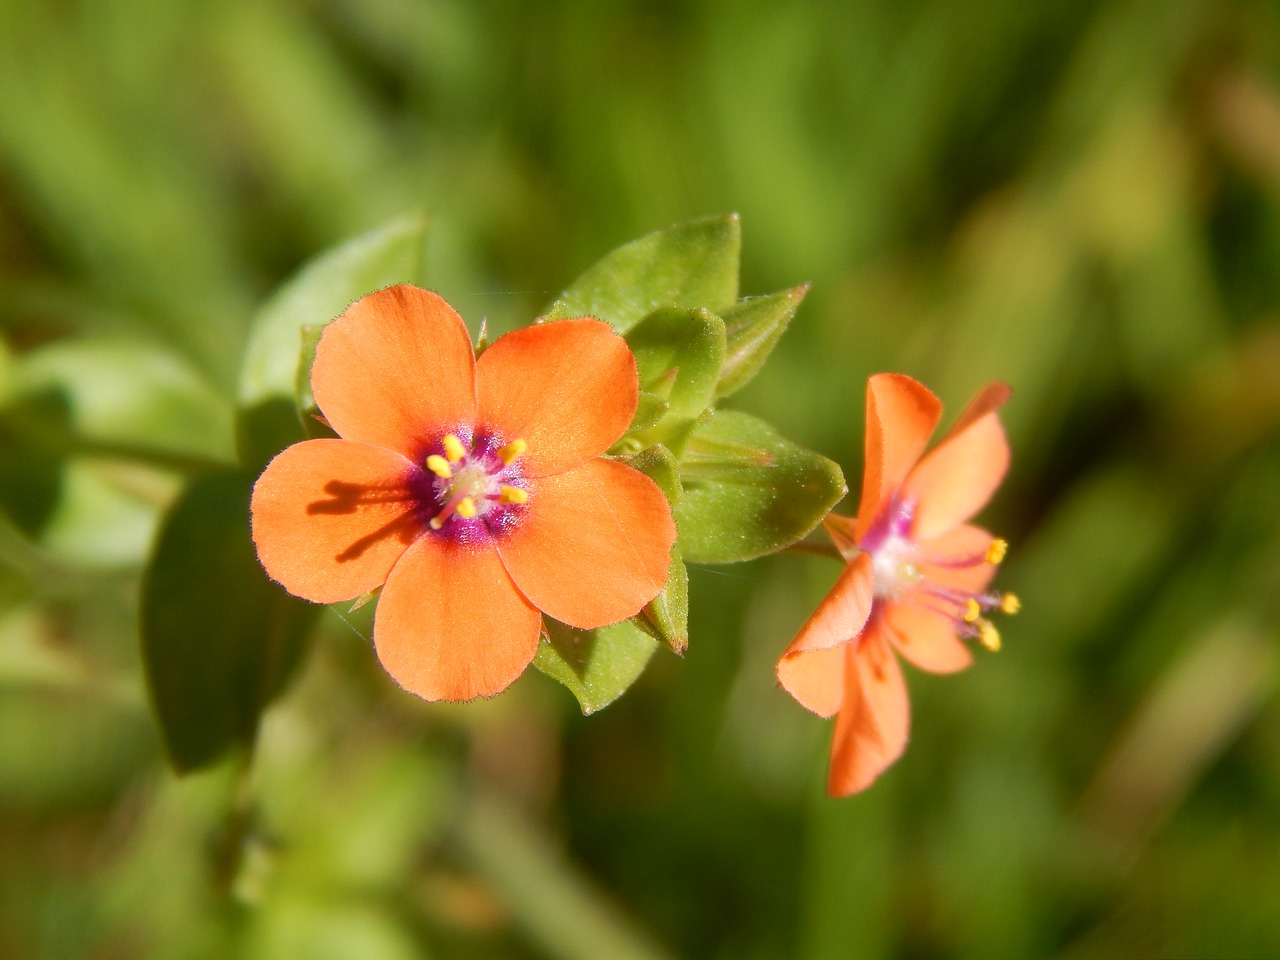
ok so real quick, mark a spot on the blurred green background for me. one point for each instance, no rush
(1080, 198)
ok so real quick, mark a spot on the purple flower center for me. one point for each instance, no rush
(478, 488)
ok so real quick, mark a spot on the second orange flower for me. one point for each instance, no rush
(916, 574)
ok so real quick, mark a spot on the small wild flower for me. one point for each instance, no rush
(474, 492)
(916, 574)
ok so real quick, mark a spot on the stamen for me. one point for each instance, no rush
(513, 495)
(1009, 603)
(439, 466)
(445, 513)
(989, 636)
(466, 508)
(453, 448)
(997, 550)
(972, 611)
(511, 451)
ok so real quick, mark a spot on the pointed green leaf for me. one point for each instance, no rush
(309, 339)
(753, 327)
(596, 665)
(313, 422)
(659, 465)
(219, 640)
(748, 491)
(666, 616)
(319, 292)
(679, 354)
(559, 310)
(692, 264)
(649, 411)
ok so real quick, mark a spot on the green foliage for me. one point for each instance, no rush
(666, 616)
(218, 639)
(751, 491)
(596, 665)
(753, 327)
(691, 265)
(274, 384)
(679, 353)
(1077, 198)
(748, 491)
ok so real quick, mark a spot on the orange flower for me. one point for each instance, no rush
(915, 578)
(473, 490)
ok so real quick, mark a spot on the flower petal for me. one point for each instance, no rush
(901, 416)
(594, 546)
(331, 517)
(568, 388)
(396, 370)
(843, 611)
(957, 559)
(925, 636)
(872, 727)
(815, 678)
(450, 623)
(958, 476)
(989, 399)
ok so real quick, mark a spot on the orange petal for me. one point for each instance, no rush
(901, 416)
(815, 678)
(450, 623)
(871, 729)
(843, 611)
(958, 476)
(331, 517)
(594, 546)
(397, 370)
(925, 636)
(957, 559)
(568, 388)
(990, 398)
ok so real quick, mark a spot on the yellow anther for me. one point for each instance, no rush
(972, 610)
(997, 550)
(439, 466)
(513, 495)
(453, 448)
(438, 520)
(989, 636)
(1010, 603)
(511, 451)
(466, 508)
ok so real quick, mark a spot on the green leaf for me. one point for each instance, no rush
(90, 442)
(128, 396)
(692, 264)
(318, 293)
(313, 422)
(753, 327)
(219, 640)
(650, 410)
(748, 491)
(679, 354)
(666, 616)
(596, 665)
(309, 339)
(659, 465)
